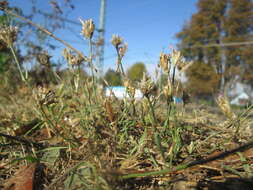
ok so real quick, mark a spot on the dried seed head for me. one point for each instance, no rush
(164, 62)
(147, 86)
(123, 49)
(129, 88)
(176, 57)
(224, 105)
(116, 41)
(167, 90)
(8, 34)
(73, 60)
(44, 59)
(45, 96)
(88, 28)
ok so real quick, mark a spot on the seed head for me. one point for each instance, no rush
(88, 28)
(164, 62)
(45, 96)
(44, 59)
(167, 90)
(147, 86)
(224, 105)
(116, 41)
(8, 34)
(176, 57)
(72, 59)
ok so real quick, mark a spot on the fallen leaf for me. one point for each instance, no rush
(22, 179)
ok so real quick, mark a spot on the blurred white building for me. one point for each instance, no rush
(120, 92)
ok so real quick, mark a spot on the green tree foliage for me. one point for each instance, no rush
(113, 78)
(239, 28)
(5, 55)
(136, 71)
(204, 80)
(218, 22)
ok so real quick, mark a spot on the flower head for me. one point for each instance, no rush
(72, 59)
(147, 86)
(164, 62)
(88, 28)
(116, 41)
(44, 59)
(224, 105)
(8, 34)
(176, 57)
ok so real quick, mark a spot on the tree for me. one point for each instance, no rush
(5, 54)
(239, 28)
(204, 80)
(218, 22)
(113, 78)
(136, 71)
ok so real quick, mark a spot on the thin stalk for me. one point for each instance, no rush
(119, 63)
(152, 110)
(173, 76)
(17, 63)
(121, 66)
(91, 67)
(171, 105)
(90, 61)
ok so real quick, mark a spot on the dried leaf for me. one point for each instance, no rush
(22, 179)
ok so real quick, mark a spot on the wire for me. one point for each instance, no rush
(58, 17)
(220, 45)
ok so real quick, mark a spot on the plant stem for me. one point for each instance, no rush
(90, 61)
(152, 110)
(17, 63)
(91, 67)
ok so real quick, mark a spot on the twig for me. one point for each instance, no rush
(51, 35)
(191, 164)
(23, 141)
(44, 30)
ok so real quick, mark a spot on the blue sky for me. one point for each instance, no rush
(148, 26)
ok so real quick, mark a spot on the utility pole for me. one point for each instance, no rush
(101, 40)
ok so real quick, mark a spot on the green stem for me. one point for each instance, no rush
(152, 110)
(91, 67)
(119, 63)
(17, 63)
(90, 61)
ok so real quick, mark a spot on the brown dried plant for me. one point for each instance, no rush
(44, 59)
(72, 59)
(164, 62)
(121, 49)
(116, 40)
(88, 28)
(8, 34)
(225, 107)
